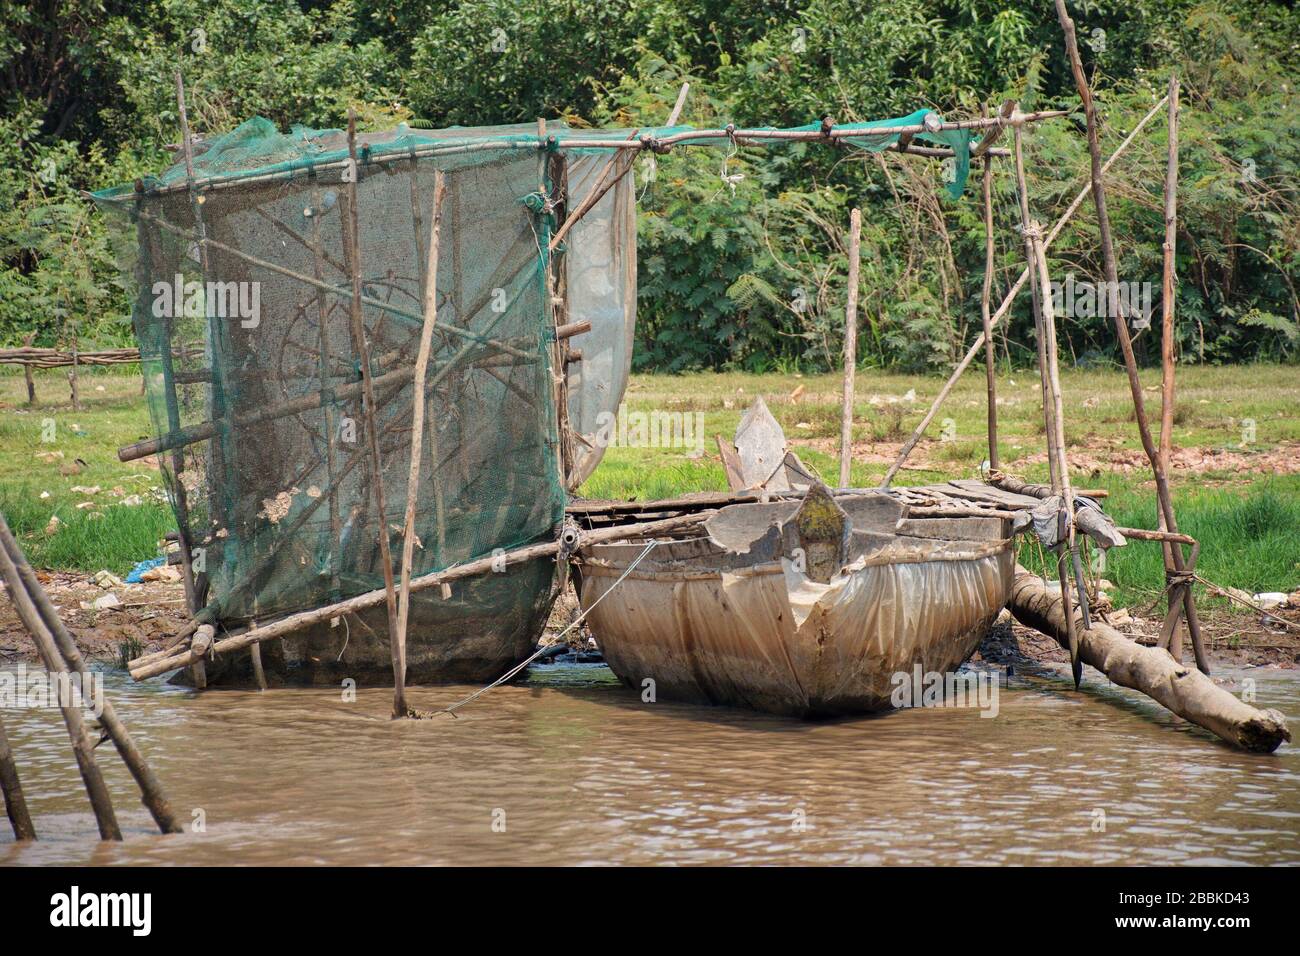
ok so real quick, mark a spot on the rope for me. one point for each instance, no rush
(541, 650)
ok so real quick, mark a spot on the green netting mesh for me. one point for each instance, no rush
(255, 337)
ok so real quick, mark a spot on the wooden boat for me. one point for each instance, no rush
(803, 608)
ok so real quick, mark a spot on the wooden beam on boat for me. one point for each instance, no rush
(1183, 690)
(185, 656)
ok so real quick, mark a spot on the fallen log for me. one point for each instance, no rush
(1184, 691)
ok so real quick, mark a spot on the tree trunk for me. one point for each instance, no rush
(1185, 691)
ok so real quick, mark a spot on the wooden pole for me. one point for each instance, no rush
(184, 656)
(329, 407)
(75, 722)
(169, 375)
(11, 787)
(850, 346)
(72, 371)
(1007, 301)
(1167, 337)
(1044, 333)
(1120, 321)
(400, 709)
(154, 798)
(352, 247)
(990, 360)
(27, 370)
(1152, 671)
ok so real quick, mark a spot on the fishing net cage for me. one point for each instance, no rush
(243, 310)
(241, 266)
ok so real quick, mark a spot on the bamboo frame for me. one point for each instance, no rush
(1120, 321)
(1007, 301)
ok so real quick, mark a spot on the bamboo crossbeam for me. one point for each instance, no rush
(741, 135)
(184, 656)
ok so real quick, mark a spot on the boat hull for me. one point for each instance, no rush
(767, 639)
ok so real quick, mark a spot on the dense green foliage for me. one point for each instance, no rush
(746, 271)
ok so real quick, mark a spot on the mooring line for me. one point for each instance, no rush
(538, 653)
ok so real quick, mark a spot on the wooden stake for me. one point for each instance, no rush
(418, 401)
(1120, 321)
(151, 790)
(1045, 334)
(27, 372)
(352, 246)
(1167, 337)
(990, 360)
(850, 346)
(75, 722)
(1007, 301)
(15, 803)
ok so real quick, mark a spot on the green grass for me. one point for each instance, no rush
(1247, 519)
(110, 535)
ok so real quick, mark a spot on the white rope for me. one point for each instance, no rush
(541, 650)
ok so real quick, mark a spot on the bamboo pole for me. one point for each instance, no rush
(75, 722)
(1190, 695)
(1167, 337)
(151, 790)
(352, 249)
(400, 708)
(990, 360)
(169, 373)
(850, 346)
(329, 406)
(691, 137)
(1120, 321)
(184, 656)
(1007, 301)
(1045, 335)
(12, 789)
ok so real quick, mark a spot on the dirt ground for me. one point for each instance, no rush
(148, 613)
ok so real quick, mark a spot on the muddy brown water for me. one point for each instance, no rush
(572, 768)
